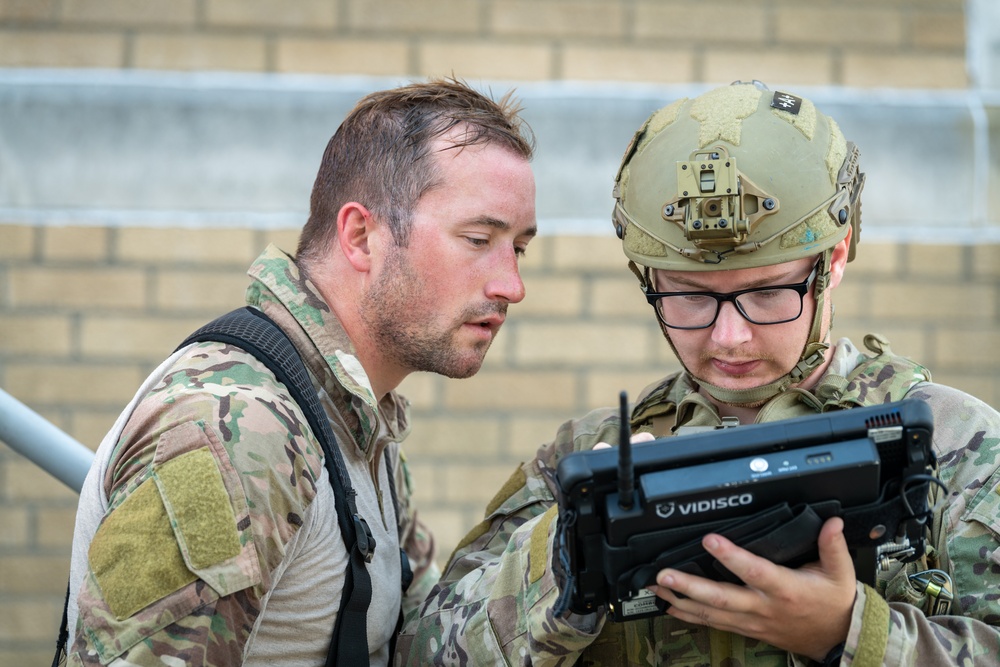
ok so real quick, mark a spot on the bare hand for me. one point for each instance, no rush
(638, 437)
(806, 611)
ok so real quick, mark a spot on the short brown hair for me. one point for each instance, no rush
(373, 156)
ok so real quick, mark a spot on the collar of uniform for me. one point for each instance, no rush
(279, 290)
(846, 357)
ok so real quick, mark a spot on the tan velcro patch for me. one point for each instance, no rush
(134, 555)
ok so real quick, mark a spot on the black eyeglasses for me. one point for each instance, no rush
(774, 304)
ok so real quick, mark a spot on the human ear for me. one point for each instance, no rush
(838, 258)
(354, 228)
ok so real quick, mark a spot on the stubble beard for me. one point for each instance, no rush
(404, 330)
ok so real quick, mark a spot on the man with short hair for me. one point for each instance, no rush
(739, 211)
(207, 531)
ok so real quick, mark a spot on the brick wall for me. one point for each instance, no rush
(86, 312)
(895, 43)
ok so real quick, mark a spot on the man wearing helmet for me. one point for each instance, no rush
(739, 211)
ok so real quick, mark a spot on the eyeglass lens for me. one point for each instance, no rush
(763, 306)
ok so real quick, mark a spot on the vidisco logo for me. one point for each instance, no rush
(667, 509)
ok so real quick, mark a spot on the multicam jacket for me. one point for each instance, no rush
(494, 603)
(207, 532)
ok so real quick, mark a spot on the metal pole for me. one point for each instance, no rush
(31, 435)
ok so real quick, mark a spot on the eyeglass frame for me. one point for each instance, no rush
(802, 288)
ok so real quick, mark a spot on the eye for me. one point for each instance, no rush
(478, 241)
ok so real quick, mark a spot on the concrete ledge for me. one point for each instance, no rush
(220, 149)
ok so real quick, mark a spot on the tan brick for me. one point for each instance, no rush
(75, 243)
(471, 439)
(986, 260)
(983, 387)
(851, 299)
(34, 335)
(912, 301)
(54, 526)
(427, 476)
(421, 389)
(741, 22)
(839, 24)
(27, 656)
(199, 52)
(602, 388)
(527, 434)
(30, 620)
(910, 341)
(217, 291)
(78, 288)
(33, 574)
(61, 49)
(134, 337)
(874, 260)
(581, 343)
(374, 57)
(421, 16)
(904, 70)
(619, 297)
(558, 18)
(94, 384)
(627, 63)
(508, 390)
(484, 60)
(16, 241)
(967, 347)
(557, 296)
(271, 14)
(27, 481)
(285, 239)
(538, 256)
(26, 10)
(938, 30)
(13, 524)
(449, 526)
(475, 484)
(937, 261)
(130, 12)
(591, 253)
(90, 426)
(215, 247)
(795, 67)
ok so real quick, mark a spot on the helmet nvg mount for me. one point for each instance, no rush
(739, 177)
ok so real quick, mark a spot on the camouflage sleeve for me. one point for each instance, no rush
(965, 541)
(198, 521)
(494, 603)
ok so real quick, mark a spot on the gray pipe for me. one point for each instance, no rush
(31, 435)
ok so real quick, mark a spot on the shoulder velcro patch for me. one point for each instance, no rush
(165, 535)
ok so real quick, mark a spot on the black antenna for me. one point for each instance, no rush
(626, 475)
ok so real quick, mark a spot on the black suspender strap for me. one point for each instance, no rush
(254, 332)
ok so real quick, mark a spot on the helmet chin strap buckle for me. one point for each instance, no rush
(810, 362)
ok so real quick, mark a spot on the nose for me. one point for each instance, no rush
(731, 329)
(506, 284)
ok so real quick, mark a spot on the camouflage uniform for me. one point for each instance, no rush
(207, 532)
(494, 604)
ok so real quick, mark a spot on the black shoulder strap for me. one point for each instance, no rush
(254, 332)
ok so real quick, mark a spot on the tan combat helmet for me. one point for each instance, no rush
(739, 177)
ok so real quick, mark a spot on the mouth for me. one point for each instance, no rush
(735, 367)
(491, 323)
